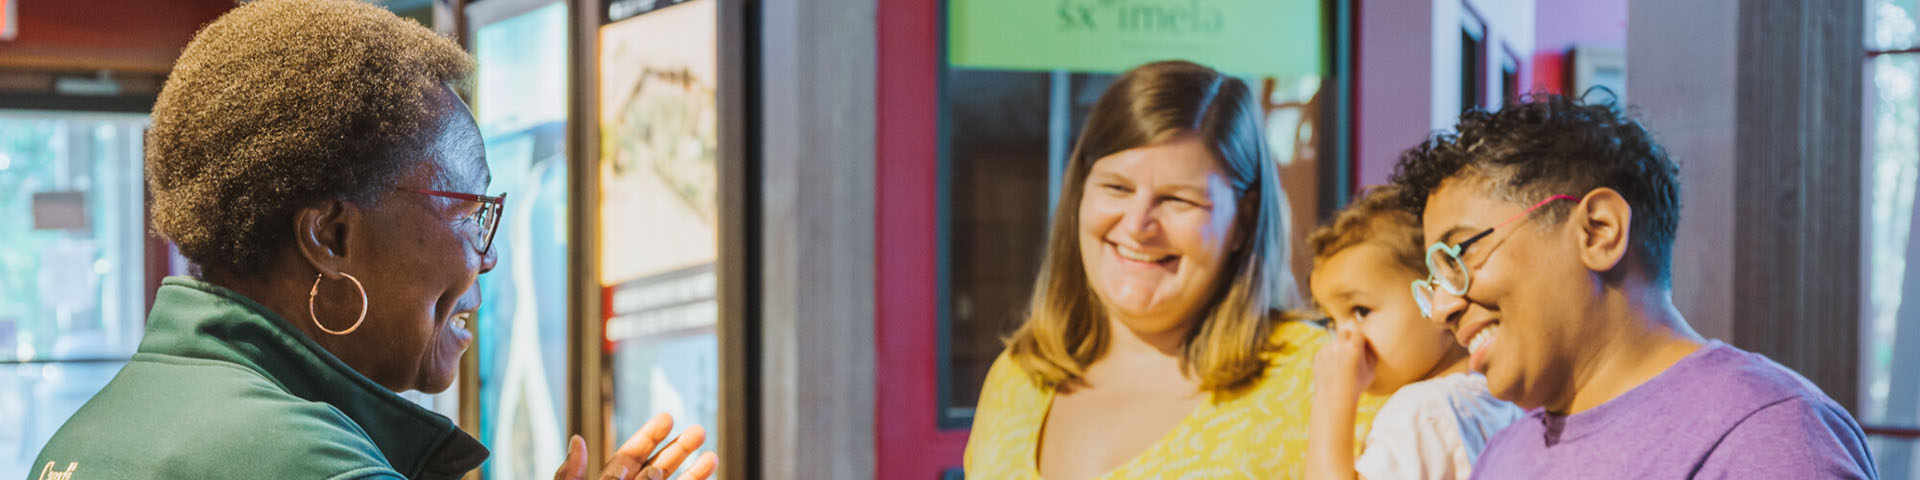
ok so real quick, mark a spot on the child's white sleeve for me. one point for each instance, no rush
(1416, 435)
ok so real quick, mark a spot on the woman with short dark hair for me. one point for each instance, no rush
(312, 160)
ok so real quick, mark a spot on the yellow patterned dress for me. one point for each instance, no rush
(1261, 433)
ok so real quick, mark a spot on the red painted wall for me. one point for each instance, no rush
(907, 440)
(84, 35)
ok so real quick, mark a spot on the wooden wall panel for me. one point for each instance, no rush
(1797, 206)
(1760, 104)
(817, 229)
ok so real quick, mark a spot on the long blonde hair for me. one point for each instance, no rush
(1065, 330)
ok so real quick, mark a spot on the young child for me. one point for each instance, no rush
(1440, 414)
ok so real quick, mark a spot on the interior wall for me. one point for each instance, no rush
(818, 203)
(1391, 103)
(1692, 115)
(1409, 70)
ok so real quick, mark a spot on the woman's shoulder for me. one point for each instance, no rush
(1005, 421)
(1436, 425)
(1459, 400)
(1428, 399)
(1292, 330)
(1294, 341)
(1289, 371)
(213, 418)
(1003, 367)
(1285, 388)
(1456, 390)
(1008, 386)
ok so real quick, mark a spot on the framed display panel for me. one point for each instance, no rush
(1008, 117)
(520, 102)
(668, 330)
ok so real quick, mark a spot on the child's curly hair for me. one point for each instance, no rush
(1379, 216)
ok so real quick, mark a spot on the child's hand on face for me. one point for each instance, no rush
(1344, 367)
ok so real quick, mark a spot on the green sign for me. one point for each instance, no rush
(1241, 37)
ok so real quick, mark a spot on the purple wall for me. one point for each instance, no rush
(1393, 103)
(1562, 24)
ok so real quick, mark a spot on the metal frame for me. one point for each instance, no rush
(585, 391)
(946, 414)
(1337, 144)
(141, 104)
(737, 329)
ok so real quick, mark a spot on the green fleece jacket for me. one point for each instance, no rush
(224, 388)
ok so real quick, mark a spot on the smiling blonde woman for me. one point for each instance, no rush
(1158, 343)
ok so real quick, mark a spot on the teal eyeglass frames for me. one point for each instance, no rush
(1449, 272)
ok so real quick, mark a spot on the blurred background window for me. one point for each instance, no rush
(1890, 336)
(72, 266)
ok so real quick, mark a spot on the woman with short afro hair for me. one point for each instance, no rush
(311, 158)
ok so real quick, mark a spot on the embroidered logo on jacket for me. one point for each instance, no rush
(48, 473)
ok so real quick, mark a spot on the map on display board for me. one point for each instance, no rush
(659, 210)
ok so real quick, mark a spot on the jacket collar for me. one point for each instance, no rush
(193, 318)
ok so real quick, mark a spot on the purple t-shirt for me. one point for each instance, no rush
(1719, 413)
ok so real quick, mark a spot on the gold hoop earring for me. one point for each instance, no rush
(315, 292)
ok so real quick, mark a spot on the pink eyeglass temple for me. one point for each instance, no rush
(1529, 210)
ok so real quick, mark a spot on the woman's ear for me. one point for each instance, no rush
(320, 234)
(1604, 221)
(1245, 223)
